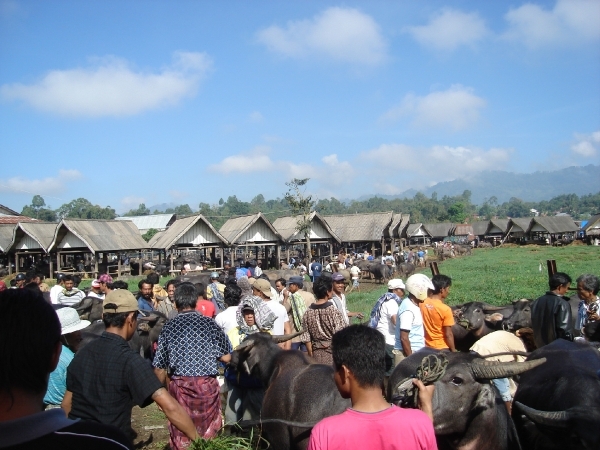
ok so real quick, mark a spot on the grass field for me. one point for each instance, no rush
(500, 275)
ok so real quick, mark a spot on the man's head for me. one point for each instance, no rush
(262, 289)
(59, 278)
(68, 282)
(396, 285)
(170, 288)
(339, 283)
(322, 288)
(588, 286)
(153, 278)
(145, 289)
(95, 287)
(559, 283)
(186, 296)
(418, 286)
(105, 280)
(248, 314)
(71, 326)
(358, 358)
(29, 344)
(214, 277)
(295, 283)
(120, 312)
(232, 294)
(280, 284)
(442, 285)
(20, 280)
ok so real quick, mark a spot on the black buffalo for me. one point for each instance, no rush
(468, 412)
(520, 316)
(297, 391)
(557, 405)
(473, 322)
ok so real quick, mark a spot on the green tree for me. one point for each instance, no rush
(38, 211)
(140, 211)
(302, 206)
(457, 213)
(148, 234)
(82, 208)
(181, 210)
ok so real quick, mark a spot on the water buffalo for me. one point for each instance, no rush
(468, 412)
(297, 390)
(557, 406)
(520, 316)
(405, 270)
(473, 322)
(90, 308)
(381, 272)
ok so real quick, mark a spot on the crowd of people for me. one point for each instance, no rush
(47, 368)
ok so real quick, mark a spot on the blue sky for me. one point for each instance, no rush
(188, 102)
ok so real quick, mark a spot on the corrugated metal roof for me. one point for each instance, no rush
(400, 232)
(560, 224)
(463, 230)
(480, 227)
(42, 233)
(360, 227)
(439, 230)
(519, 224)
(6, 236)
(501, 224)
(320, 229)
(6, 211)
(592, 223)
(101, 235)
(168, 238)
(16, 219)
(414, 228)
(159, 222)
(235, 228)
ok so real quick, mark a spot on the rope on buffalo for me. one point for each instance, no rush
(431, 369)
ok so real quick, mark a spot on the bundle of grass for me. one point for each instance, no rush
(223, 442)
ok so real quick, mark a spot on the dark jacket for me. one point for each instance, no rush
(551, 319)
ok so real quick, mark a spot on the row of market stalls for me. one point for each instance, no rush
(90, 247)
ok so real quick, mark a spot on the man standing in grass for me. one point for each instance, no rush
(437, 316)
(551, 317)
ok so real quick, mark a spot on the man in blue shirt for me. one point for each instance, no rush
(145, 301)
(316, 269)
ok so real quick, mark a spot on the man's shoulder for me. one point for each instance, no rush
(93, 435)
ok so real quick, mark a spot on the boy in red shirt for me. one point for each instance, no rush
(371, 423)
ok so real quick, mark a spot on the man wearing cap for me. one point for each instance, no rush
(31, 341)
(409, 333)
(95, 290)
(105, 281)
(70, 295)
(215, 290)
(383, 319)
(262, 288)
(339, 298)
(437, 316)
(296, 303)
(71, 326)
(20, 280)
(107, 378)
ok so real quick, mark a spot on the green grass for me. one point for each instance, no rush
(500, 275)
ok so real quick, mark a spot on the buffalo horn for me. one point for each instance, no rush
(548, 418)
(286, 337)
(247, 344)
(488, 370)
(491, 308)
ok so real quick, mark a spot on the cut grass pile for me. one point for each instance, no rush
(500, 275)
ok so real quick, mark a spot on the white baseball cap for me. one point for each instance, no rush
(396, 283)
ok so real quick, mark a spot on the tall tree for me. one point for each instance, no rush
(140, 211)
(301, 205)
(37, 210)
(82, 208)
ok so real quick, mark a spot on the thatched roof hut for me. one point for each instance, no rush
(254, 228)
(592, 227)
(480, 227)
(463, 230)
(320, 231)
(31, 240)
(552, 225)
(6, 236)
(367, 227)
(439, 230)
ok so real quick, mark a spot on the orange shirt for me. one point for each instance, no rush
(435, 316)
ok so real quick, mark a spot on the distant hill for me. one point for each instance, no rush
(161, 207)
(532, 187)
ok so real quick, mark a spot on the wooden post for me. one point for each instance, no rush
(551, 263)
(96, 264)
(171, 258)
(51, 266)
(434, 268)
(118, 265)
(278, 265)
(140, 268)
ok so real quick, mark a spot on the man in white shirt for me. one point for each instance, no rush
(227, 320)
(70, 295)
(339, 299)
(95, 290)
(262, 289)
(383, 319)
(57, 289)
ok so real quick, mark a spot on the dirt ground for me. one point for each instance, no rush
(151, 426)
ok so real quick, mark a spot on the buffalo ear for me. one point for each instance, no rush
(496, 317)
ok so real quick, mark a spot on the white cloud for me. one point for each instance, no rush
(256, 117)
(342, 34)
(44, 186)
(569, 22)
(456, 108)
(449, 29)
(256, 160)
(111, 87)
(587, 145)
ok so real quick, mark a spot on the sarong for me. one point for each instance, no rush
(199, 397)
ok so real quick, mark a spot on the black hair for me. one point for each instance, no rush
(232, 294)
(558, 279)
(144, 281)
(170, 282)
(281, 280)
(322, 286)
(32, 285)
(200, 289)
(119, 284)
(362, 350)
(440, 282)
(186, 296)
(67, 278)
(116, 320)
(590, 282)
(76, 280)
(27, 340)
(29, 276)
(153, 278)
(60, 277)
(263, 276)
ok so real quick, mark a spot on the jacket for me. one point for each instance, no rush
(551, 319)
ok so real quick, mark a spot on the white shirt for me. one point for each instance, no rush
(355, 272)
(93, 294)
(385, 325)
(340, 302)
(226, 319)
(56, 289)
(411, 320)
(282, 316)
(257, 272)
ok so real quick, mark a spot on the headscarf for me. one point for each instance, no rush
(245, 286)
(376, 312)
(217, 296)
(264, 318)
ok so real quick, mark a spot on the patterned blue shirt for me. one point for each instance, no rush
(190, 344)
